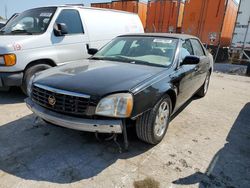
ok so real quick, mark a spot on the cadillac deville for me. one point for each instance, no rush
(138, 80)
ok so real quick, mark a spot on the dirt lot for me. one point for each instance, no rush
(207, 145)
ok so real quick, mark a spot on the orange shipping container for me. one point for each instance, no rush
(101, 5)
(210, 20)
(134, 6)
(164, 15)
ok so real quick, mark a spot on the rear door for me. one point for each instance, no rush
(72, 46)
(202, 68)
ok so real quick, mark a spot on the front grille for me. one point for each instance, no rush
(68, 104)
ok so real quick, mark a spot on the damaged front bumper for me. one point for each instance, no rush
(89, 125)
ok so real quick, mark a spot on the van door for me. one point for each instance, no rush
(72, 46)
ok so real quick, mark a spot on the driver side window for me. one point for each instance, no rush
(186, 49)
(72, 20)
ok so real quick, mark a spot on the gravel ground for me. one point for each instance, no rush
(207, 145)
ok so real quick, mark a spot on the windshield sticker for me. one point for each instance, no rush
(165, 41)
(44, 14)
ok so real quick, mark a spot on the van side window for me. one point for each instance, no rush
(198, 50)
(72, 20)
(186, 49)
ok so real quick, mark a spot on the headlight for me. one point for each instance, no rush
(8, 59)
(29, 86)
(116, 105)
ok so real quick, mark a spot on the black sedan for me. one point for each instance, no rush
(135, 80)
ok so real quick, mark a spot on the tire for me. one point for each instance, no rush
(204, 88)
(30, 72)
(146, 129)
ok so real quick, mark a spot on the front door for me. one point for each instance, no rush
(203, 67)
(72, 46)
(186, 75)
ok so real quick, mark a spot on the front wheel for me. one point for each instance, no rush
(152, 125)
(30, 72)
(204, 88)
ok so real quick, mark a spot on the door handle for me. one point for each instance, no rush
(196, 68)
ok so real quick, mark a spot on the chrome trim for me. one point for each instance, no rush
(60, 91)
(89, 125)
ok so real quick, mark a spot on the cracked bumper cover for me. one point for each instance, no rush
(89, 125)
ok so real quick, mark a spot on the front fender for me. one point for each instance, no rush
(146, 98)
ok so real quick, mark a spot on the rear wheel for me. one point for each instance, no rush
(30, 72)
(204, 88)
(152, 125)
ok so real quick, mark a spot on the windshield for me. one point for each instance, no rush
(34, 21)
(153, 51)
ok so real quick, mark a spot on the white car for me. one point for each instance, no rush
(41, 38)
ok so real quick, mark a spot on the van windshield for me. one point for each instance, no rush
(34, 21)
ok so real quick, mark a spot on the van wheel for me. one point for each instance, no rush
(30, 72)
(204, 88)
(152, 125)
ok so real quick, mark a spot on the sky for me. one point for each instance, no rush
(14, 6)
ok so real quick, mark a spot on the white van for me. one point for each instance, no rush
(44, 37)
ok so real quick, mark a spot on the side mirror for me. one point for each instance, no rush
(190, 60)
(91, 51)
(60, 29)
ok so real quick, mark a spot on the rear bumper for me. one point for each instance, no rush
(89, 125)
(11, 79)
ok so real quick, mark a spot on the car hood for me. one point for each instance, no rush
(96, 77)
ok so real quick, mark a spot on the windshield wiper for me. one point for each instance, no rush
(126, 60)
(96, 58)
(148, 63)
(21, 31)
(109, 59)
(135, 61)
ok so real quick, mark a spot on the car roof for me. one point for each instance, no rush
(169, 35)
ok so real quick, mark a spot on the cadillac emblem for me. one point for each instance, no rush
(52, 100)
